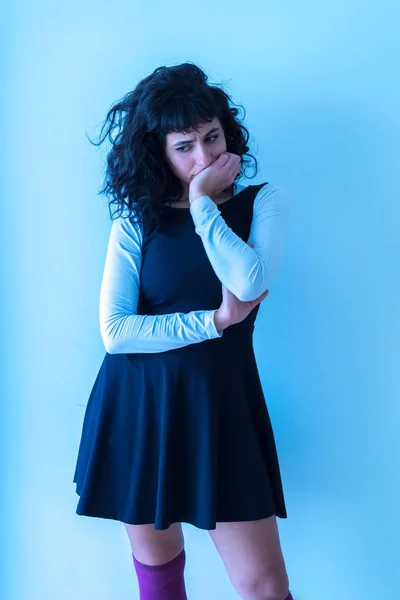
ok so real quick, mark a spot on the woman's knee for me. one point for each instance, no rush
(155, 547)
(259, 587)
(252, 555)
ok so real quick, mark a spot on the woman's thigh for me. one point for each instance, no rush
(252, 554)
(155, 547)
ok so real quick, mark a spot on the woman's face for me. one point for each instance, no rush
(189, 154)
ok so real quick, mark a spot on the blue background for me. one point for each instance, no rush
(320, 84)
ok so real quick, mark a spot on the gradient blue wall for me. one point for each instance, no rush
(321, 89)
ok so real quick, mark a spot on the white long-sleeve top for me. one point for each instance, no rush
(247, 272)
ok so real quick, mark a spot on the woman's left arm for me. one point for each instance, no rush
(246, 272)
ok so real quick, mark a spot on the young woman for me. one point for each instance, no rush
(176, 428)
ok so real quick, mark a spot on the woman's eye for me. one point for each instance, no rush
(210, 140)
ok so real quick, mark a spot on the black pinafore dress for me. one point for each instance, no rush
(182, 435)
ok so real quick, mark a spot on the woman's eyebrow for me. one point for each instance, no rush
(214, 129)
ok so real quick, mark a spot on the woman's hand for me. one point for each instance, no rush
(233, 310)
(212, 180)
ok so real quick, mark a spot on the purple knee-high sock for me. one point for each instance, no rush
(162, 582)
(290, 597)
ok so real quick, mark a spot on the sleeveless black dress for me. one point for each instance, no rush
(182, 435)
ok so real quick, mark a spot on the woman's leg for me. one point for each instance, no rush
(159, 558)
(251, 552)
(155, 547)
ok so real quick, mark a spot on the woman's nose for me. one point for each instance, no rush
(204, 157)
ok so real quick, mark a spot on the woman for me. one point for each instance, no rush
(176, 428)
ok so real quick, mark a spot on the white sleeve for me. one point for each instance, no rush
(122, 329)
(247, 272)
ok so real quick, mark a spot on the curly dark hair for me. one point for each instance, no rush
(171, 99)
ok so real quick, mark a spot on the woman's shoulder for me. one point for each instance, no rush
(126, 227)
(273, 197)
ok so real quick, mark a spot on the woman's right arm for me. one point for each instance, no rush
(122, 330)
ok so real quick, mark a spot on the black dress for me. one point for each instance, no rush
(182, 435)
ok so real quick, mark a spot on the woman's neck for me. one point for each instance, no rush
(183, 202)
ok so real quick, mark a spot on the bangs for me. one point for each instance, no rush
(184, 115)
